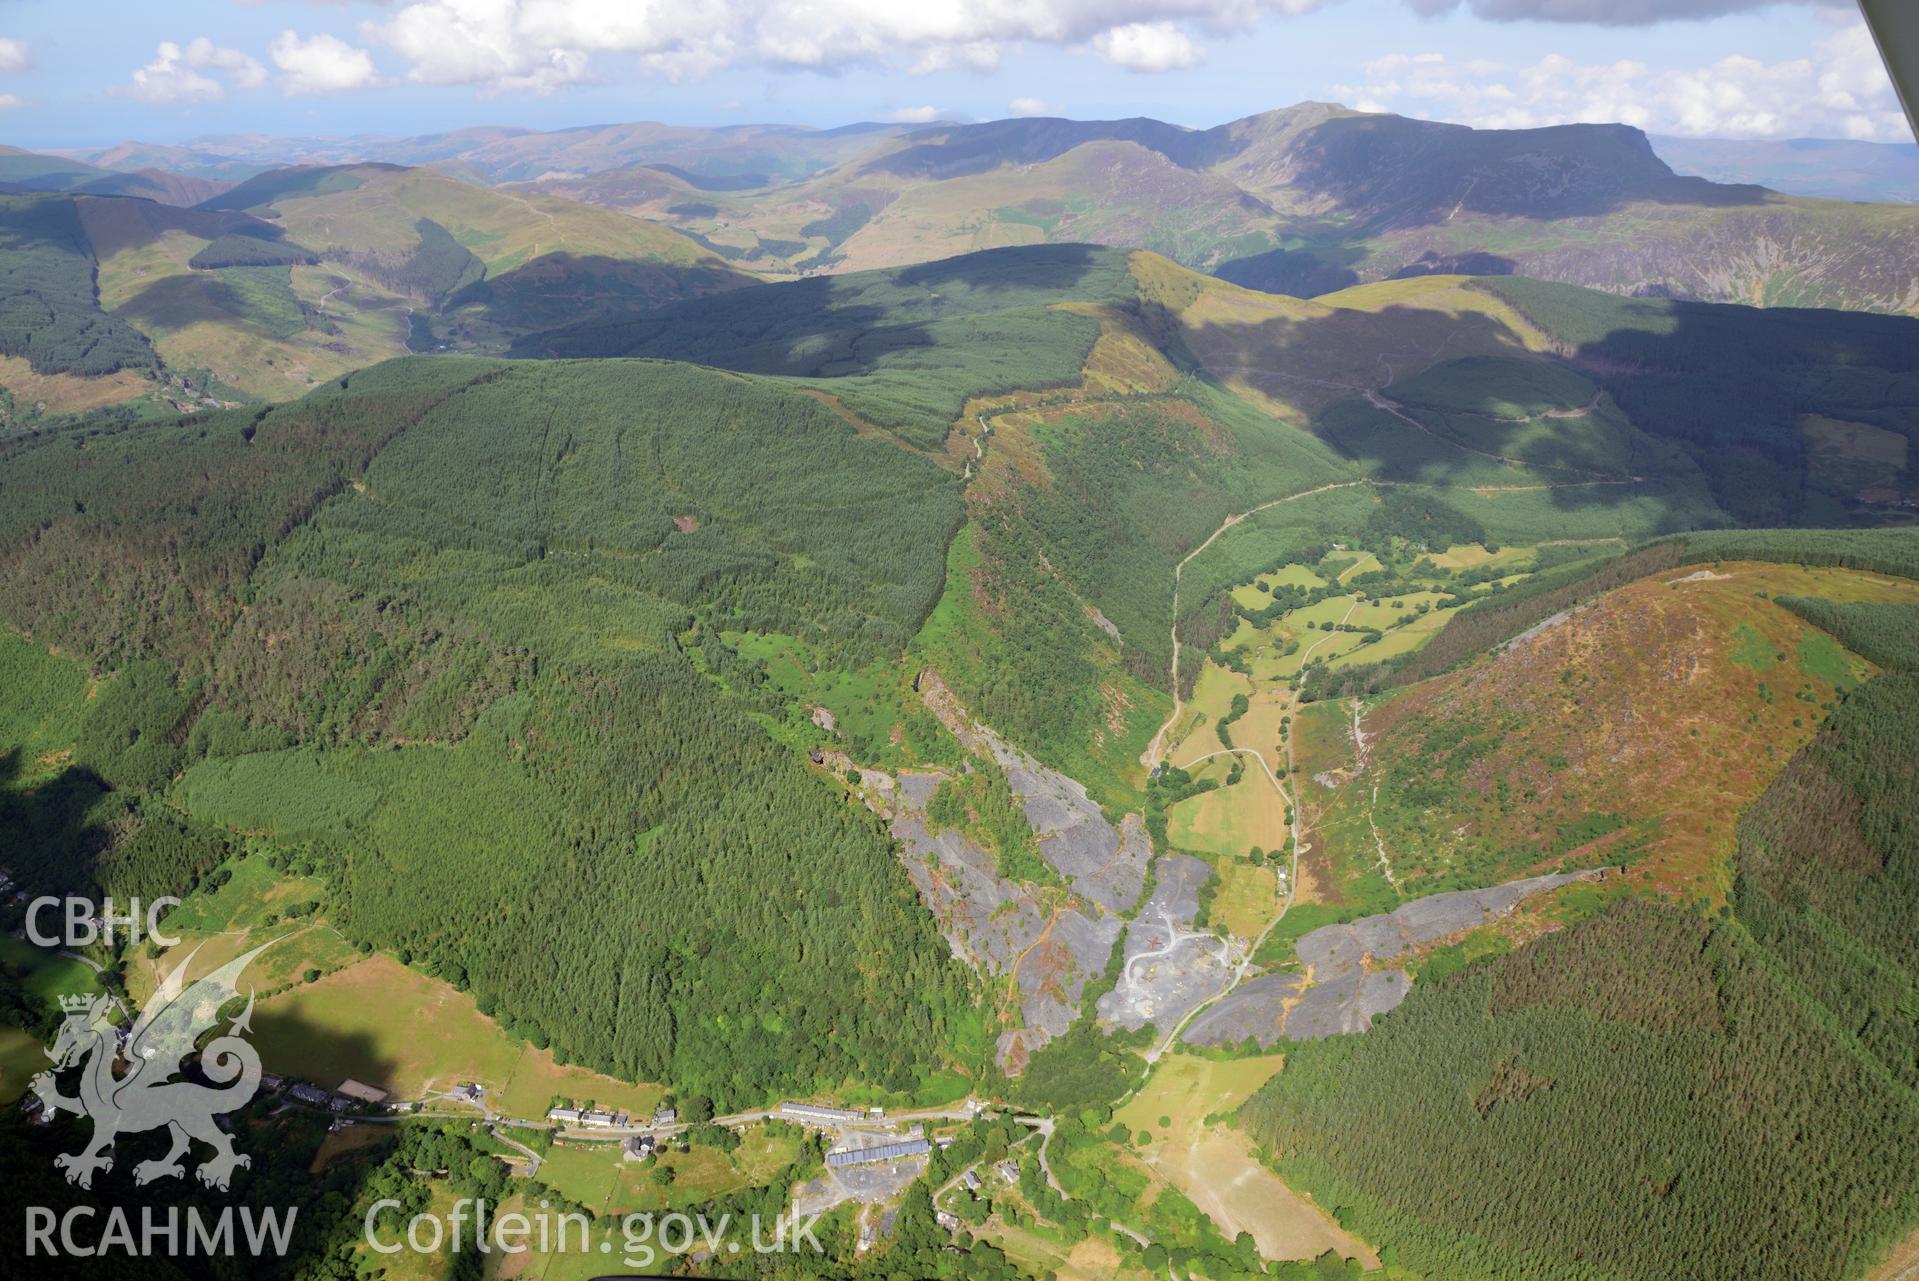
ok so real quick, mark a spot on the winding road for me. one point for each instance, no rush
(1243, 970)
(1155, 751)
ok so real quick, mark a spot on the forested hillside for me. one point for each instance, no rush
(1794, 416)
(590, 684)
(398, 563)
(48, 313)
(1691, 1074)
(904, 349)
(1083, 505)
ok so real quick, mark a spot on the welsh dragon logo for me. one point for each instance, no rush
(146, 1096)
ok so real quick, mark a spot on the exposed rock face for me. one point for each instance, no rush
(1050, 944)
(1103, 863)
(1169, 968)
(1351, 977)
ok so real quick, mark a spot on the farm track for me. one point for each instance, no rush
(1155, 750)
(1243, 970)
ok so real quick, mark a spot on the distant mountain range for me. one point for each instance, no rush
(299, 275)
(1827, 167)
(1304, 200)
(282, 262)
(490, 154)
(731, 156)
(31, 171)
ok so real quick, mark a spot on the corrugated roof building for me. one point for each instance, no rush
(816, 1112)
(884, 1152)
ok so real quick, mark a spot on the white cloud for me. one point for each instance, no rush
(242, 70)
(1147, 46)
(973, 55)
(1032, 107)
(1839, 89)
(174, 74)
(320, 64)
(14, 55)
(914, 115)
(543, 44)
(1609, 13)
(7, 101)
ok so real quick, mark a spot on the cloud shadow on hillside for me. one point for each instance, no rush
(279, 1139)
(831, 326)
(1715, 394)
(56, 838)
(1393, 172)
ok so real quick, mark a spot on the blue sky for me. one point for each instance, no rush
(93, 72)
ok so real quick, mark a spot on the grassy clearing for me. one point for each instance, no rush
(877, 717)
(1345, 567)
(1249, 596)
(1856, 442)
(37, 393)
(46, 975)
(1214, 1165)
(1475, 555)
(1530, 516)
(583, 1172)
(254, 892)
(383, 1024)
(1247, 897)
(1408, 636)
(1187, 1088)
(1228, 821)
(1260, 727)
(1091, 1259)
(1294, 576)
(380, 1022)
(595, 1175)
(297, 950)
(1212, 699)
(255, 904)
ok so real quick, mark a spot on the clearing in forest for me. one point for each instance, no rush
(380, 1022)
(1214, 1164)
